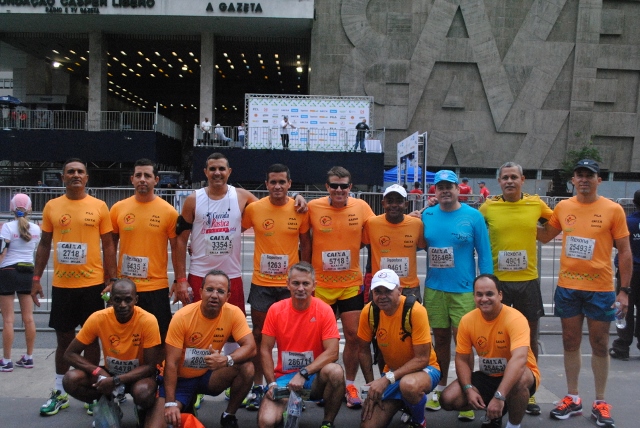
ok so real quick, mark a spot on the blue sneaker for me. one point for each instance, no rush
(6, 367)
(257, 393)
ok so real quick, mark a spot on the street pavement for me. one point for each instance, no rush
(24, 390)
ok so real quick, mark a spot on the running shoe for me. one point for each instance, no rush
(257, 393)
(56, 401)
(6, 367)
(327, 425)
(24, 363)
(353, 397)
(566, 408)
(618, 355)
(89, 407)
(601, 412)
(417, 425)
(532, 406)
(466, 415)
(227, 394)
(229, 421)
(433, 403)
(199, 400)
(492, 423)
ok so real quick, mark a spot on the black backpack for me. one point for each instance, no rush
(374, 320)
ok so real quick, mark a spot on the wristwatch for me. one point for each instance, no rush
(626, 290)
(229, 361)
(116, 381)
(498, 395)
(390, 377)
(304, 373)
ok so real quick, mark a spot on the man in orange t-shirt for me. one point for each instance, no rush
(131, 347)
(591, 225)
(336, 223)
(508, 373)
(194, 363)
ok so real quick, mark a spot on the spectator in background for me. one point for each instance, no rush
(284, 132)
(205, 127)
(620, 346)
(241, 132)
(465, 189)
(362, 128)
(484, 192)
(16, 273)
(416, 189)
(219, 131)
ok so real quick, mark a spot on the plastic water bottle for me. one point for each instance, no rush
(621, 321)
(294, 410)
(190, 292)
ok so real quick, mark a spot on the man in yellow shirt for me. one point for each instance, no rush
(590, 224)
(512, 219)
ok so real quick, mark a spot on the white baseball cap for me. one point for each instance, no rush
(395, 188)
(385, 278)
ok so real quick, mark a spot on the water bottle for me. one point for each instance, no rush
(621, 321)
(190, 291)
(294, 410)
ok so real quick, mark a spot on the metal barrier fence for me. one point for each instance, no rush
(77, 121)
(308, 139)
(176, 197)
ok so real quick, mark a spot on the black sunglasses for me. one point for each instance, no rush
(343, 186)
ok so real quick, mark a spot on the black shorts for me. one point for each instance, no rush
(12, 281)
(488, 385)
(157, 303)
(524, 296)
(262, 297)
(70, 307)
(355, 303)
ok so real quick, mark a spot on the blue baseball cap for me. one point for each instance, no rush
(446, 175)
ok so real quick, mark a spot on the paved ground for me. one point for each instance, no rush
(23, 391)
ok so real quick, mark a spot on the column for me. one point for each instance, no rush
(207, 77)
(97, 79)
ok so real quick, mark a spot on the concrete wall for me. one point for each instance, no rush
(490, 80)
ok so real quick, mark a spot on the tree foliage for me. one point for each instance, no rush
(588, 151)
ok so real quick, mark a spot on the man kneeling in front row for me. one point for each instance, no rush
(306, 334)
(411, 369)
(130, 340)
(194, 364)
(508, 373)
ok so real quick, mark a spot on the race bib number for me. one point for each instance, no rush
(219, 245)
(579, 248)
(194, 358)
(72, 253)
(492, 366)
(336, 260)
(118, 367)
(512, 260)
(400, 265)
(136, 267)
(274, 264)
(296, 360)
(441, 257)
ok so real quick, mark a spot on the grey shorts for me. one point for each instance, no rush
(524, 296)
(261, 298)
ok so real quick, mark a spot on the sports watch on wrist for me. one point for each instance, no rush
(626, 290)
(498, 395)
(229, 361)
(116, 381)
(304, 373)
(390, 376)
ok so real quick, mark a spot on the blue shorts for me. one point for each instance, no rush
(188, 387)
(284, 380)
(393, 391)
(595, 305)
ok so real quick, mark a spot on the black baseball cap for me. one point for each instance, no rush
(589, 164)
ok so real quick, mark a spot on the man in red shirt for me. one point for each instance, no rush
(465, 189)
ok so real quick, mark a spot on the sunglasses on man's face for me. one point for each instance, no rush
(343, 186)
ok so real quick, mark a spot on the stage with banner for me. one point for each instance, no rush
(319, 123)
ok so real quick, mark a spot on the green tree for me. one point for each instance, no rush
(588, 151)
